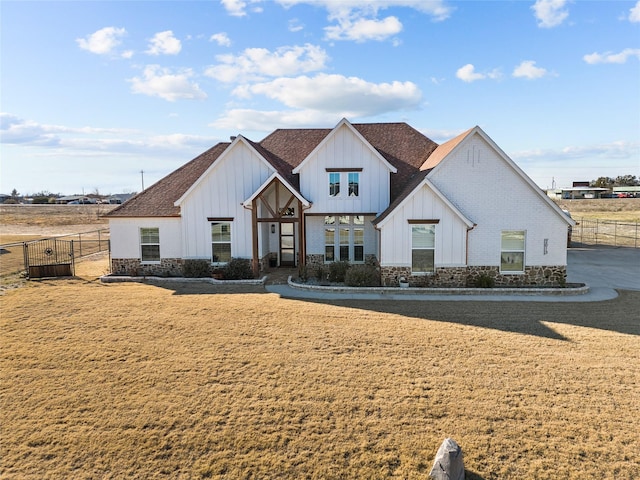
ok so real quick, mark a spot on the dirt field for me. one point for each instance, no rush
(200, 381)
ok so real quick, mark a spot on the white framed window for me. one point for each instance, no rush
(354, 184)
(220, 242)
(346, 242)
(344, 180)
(423, 246)
(334, 184)
(150, 245)
(512, 251)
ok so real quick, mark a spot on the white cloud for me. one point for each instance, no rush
(221, 39)
(608, 57)
(467, 73)
(161, 82)
(103, 41)
(343, 96)
(550, 13)
(164, 43)
(357, 20)
(258, 63)
(17, 131)
(363, 29)
(527, 69)
(238, 8)
(634, 13)
(437, 9)
(267, 121)
(295, 25)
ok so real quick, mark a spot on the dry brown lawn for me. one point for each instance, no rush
(199, 381)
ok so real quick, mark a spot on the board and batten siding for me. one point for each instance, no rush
(232, 180)
(343, 149)
(488, 191)
(451, 231)
(125, 236)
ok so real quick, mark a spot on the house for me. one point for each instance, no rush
(379, 193)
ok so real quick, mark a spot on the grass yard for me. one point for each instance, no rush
(201, 381)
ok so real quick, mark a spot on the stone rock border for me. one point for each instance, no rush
(126, 278)
(566, 291)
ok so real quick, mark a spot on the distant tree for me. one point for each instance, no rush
(39, 199)
(602, 182)
(626, 181)
(14, 194)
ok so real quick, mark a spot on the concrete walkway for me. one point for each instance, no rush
(602, 269)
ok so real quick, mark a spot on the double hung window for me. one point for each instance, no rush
(221, 242)
(150, 245)
(512, 251)
(423, 244)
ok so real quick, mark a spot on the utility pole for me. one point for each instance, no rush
(142, 176)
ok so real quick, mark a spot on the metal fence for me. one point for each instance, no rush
(13, 256)
(606, 232)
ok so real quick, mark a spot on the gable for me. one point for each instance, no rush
(473, 159)
(243, 160)
(344, 147)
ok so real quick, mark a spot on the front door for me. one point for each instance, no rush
(287, 244)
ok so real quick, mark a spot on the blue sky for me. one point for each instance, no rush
(92, 93)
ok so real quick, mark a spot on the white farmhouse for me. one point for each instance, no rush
(383, 193)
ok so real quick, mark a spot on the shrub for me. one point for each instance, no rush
(238, 269)
(196, 268)
(338, 270)
(321, 275)
(484, 281)
(362, 276)
(303, 273)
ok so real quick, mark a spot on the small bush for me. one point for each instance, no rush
(484, 281)
(337, 271)
(321, 274)
(196, 268)
(238, 269)
(303, 273)
(362, 276)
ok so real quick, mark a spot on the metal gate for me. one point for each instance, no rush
(50, 257)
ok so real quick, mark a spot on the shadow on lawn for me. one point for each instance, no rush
(617, 315)
(530, 318)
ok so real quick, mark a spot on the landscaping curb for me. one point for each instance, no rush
(124, 278)
(581, 290)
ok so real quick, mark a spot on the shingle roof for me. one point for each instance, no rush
(443, 150)
(158, 199)
(400, 144)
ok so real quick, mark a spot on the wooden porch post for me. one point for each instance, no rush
(254, 222)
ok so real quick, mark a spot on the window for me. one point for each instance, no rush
(329, 244)
(354, 184)
(350, 178)
(358, 244)
(334, 184)
(150, 245)
(423, 244)
(221, 242)
(512, 251)
(345, 243)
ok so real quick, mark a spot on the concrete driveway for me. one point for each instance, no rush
(605, 267)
